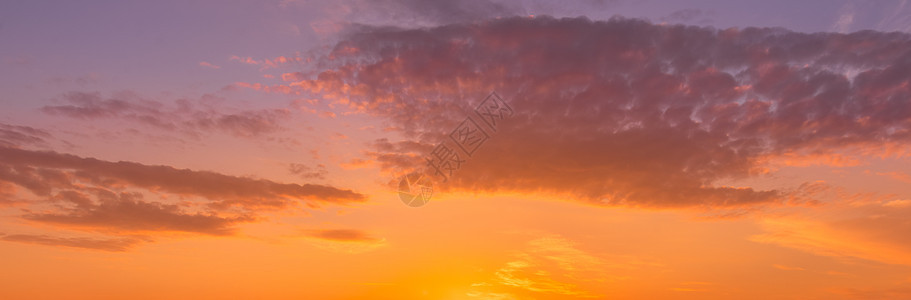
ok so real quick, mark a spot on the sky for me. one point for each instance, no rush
(472, 149)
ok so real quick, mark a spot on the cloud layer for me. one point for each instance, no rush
(112, 198)
(625, 111)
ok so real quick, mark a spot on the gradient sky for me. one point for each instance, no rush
(656, 150)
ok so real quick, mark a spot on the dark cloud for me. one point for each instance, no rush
(189, 117)
(108, 197)
(342, 235)
(450, 11)
(625, 111)
(128, 213)
(307, 172)
(113, 245)
(14, 135)
(42, 172)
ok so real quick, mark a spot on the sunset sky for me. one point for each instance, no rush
(596, 149)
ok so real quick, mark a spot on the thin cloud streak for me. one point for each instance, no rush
(342, 235)
(126, 212)
(112, 245)
(15, 135)
(42, 171)
(189, 117)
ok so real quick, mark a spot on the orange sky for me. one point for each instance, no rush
(630, 158)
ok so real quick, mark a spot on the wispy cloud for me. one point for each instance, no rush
(548, 266)
(344, 240)
(188, 117)
(116, 198)
(307, 172)
(268, 63)
(846, 16)
(127, 212)
(113, 244)
(15, 135)
(856, 231)
(43, 171)
(209, 65)
(788, 268)
(342, 235)
(900, 176)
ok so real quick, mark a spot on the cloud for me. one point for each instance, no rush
(900, 291)
(208, 65)
(900, 176)
(697, 16)
(296, 76)
(307, 172)
(8, 194)
(113, 245)
(126, 212)
(625, 112)
(410, 12)
(443, 11)
(267, 63)
(848, 230)
(15, 135)
(553, 265)
(87, 194)
(81, 80)
(845, 18)
(351, 241)
(188, 117)
(788, 268)
(898, 203)
(342, 235)
(42, 172)
(896, 18)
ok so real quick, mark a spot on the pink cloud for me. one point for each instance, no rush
(268, 63)
(208, 65)
(900, 176)
(43, 172)
(625, 112)
(14, 135)
(189, 117)
(123, 199)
